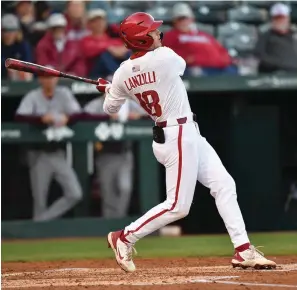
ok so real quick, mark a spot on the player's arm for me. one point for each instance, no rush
(25, 112)
(114, 95)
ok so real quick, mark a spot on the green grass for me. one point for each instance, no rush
(187, 246)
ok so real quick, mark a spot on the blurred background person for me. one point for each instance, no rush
(105, 5)
(56, 50)
(201, 51)
(277, 48)
(13, 45)
(39, 27)
(25, 11)
(53, 106)
(103, 50)
(114, 160)
(75, 14)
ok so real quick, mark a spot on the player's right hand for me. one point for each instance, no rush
(103, 85)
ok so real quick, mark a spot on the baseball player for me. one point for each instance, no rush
(151, 77)
(114, 163)
(50, 105)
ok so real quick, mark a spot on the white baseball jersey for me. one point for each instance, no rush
(153, 80)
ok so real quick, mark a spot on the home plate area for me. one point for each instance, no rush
(151, 274)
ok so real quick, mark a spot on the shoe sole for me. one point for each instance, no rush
(256, 266)
(110, 245)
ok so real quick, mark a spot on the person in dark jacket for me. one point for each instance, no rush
(277, 48)
(24, 10)
(39, 27)
(14, 46)
(55, 50)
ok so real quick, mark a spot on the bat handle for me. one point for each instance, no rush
(85, 80)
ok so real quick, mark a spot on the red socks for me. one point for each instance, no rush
(123, 239)
(242, 247)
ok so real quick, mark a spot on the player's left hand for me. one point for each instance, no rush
(103, 85)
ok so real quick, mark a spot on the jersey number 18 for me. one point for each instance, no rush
(149, 100)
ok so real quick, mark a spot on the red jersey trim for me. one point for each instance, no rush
(138, 54)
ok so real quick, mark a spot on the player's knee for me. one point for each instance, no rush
(76, 194)
(181, 212)
(224, 185)
(177, 210)
(229, 184)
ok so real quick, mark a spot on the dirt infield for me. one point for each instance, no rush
(163, 274)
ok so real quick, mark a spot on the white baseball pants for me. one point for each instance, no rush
(188, 157)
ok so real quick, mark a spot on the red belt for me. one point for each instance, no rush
(180, 121)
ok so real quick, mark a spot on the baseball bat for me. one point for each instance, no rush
(43, 70)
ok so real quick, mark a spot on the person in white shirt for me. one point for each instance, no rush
(152, 77)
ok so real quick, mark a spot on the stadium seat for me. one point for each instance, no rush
(260, 4)
(57, 6)
(133, 5)
(119, 13)
(205, 28)
(238, 36)
(162, 3)
(205, 14)
(160, 12)
(264, 27)
(293, 12)
(247, 14)
(165, 28)
(214, 5)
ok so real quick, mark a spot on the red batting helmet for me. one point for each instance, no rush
(135, 28)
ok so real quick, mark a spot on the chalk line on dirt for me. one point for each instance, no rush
(254, 284)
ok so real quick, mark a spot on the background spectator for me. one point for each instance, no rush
(39, 27)
(54, 107)
(13, 45)
(76, 20)
(105, 5)
(114, 161)
(199, 49)
(103, 52)
(42, 11)
(56, 50)
(26, 15)
(277, 48)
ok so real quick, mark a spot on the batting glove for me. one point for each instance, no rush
(103, 85)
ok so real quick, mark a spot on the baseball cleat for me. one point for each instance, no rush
(252, 258)
(123, 251)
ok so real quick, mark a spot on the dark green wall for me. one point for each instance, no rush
(255, 136)
(248, 133)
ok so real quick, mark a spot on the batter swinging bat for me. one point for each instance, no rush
(42, 70)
